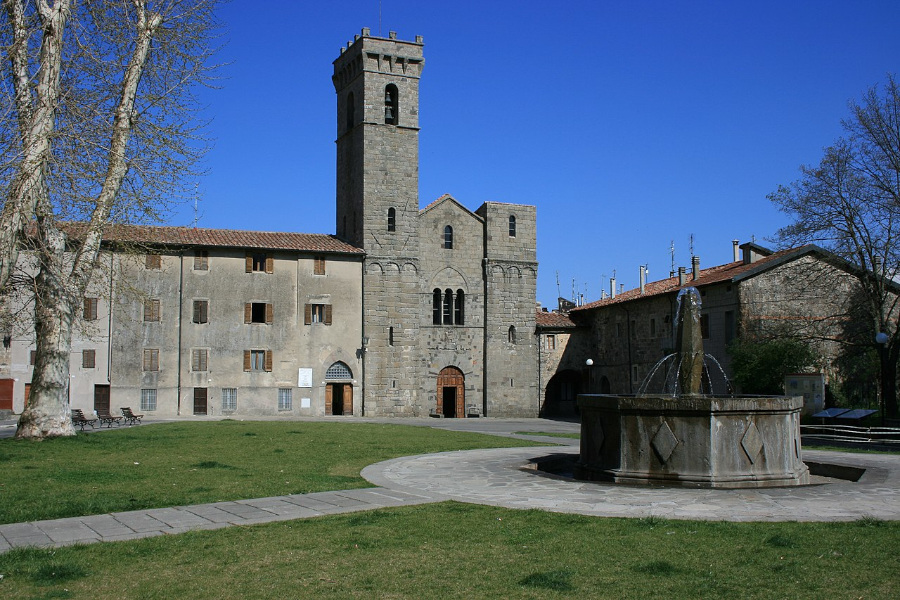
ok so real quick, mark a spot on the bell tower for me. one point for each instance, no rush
(377, 85)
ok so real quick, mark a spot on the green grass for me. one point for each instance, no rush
(193, 463)
(572, 436)
(453, 550)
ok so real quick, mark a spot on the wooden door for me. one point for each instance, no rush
(101, 398)
(6, 393)
(451, 382)
(199, 401)
(348, 399)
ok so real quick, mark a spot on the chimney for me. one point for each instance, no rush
(878, 266)
(695, 267)
(612, 287)
(643, 278)
(682, 278)
(736, 250)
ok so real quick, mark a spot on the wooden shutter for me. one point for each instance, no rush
(88, 359)
(270, 313)
(268, 365)
(248, 267)
(270, 264)
(246, 360)
(200, 360)
(248, 312)
(200, 311)
(328, 314)
(307, 314)
(148, 310)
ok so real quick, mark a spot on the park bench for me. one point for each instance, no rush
(79, 420)
(107, 419)
(130, 417)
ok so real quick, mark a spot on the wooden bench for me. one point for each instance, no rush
(130, 417)
(79, 420)
(108, 419)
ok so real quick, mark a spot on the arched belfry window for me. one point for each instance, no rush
(459, 307)
(448, 237)
(512, 226)
(351, 112)
(436, 301)
(448, 307)
(511, 334)
(392, 219)
(391, 105)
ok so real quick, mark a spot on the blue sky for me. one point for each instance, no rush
(630, 125)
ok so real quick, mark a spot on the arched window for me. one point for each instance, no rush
(351, 112)
(338, 370)
(436, 306)
(448, 237)
(511, 334)
(391, 109)
(392, 219)
(448, 307)
(512, 226)
(459, 307)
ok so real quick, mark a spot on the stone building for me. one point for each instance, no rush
(404, 312)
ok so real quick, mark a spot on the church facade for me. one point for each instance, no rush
(405, 311)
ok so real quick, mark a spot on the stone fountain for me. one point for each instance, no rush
(685, 437)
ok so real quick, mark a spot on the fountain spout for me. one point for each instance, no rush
(689, 342)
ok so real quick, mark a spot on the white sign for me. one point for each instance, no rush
(304, 378)
(304, 402)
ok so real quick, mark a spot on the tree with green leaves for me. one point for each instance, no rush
(850, 204)
(759, 366)
(100, 125)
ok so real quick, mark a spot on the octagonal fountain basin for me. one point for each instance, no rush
(692, 440)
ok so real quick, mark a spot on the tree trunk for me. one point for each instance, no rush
(48, 412)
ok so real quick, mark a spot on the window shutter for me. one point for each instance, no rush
(307, 314)
(147, 310)
(248, 312)
(268, 360)
(270, 264)
(146, 365)
(270, 313)
(328, 314)
(87, 309)
(246, 360)
(248, 267)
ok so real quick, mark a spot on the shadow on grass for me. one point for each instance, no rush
(558, 581)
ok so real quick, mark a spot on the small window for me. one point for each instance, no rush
(200, 359)
(260, 262)
(317, 313)
(201, 311)
(511, 334)
(154, 261)
(618, 329)
(151, 310)
(88, 359)
(257, 360)
(285, 399)
(201, 260)
(229, 399)
(551, 342)
(512, 226)
(148, 400)
(151, 359)
(392, 219)
(704, 326)
(391, 112)
(259, 312)
(319, 265)
(448, 237)
(90, 309)
(31, 357)
(634, 374)
(390, 336)
(652, 327)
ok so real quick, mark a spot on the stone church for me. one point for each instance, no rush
(403, 312)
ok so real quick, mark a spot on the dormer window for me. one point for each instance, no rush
(512, 226)
(392, 219)
(391, 108)
(448, 237)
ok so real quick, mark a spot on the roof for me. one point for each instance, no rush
(227, 238)
(553, 320)
(733, 272)
(448, 198)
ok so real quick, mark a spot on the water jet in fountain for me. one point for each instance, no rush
(683, 434)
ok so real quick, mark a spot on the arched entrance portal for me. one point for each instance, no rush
(451, 393)
(562, 395)
(338, 390)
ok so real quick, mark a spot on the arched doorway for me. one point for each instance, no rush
(561, 398)
(338, 390)
(451, 393)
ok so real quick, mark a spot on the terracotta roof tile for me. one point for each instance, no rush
(553, 320)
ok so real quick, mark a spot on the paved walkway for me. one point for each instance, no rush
(496, 477)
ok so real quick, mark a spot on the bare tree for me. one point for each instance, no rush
(103, 128)
(850, 203)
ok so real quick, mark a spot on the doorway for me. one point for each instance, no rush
(451, 393)
(101, 398)
(200, 401)
(338, 399)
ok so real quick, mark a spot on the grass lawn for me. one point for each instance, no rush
(180, 463)
(454, 550)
